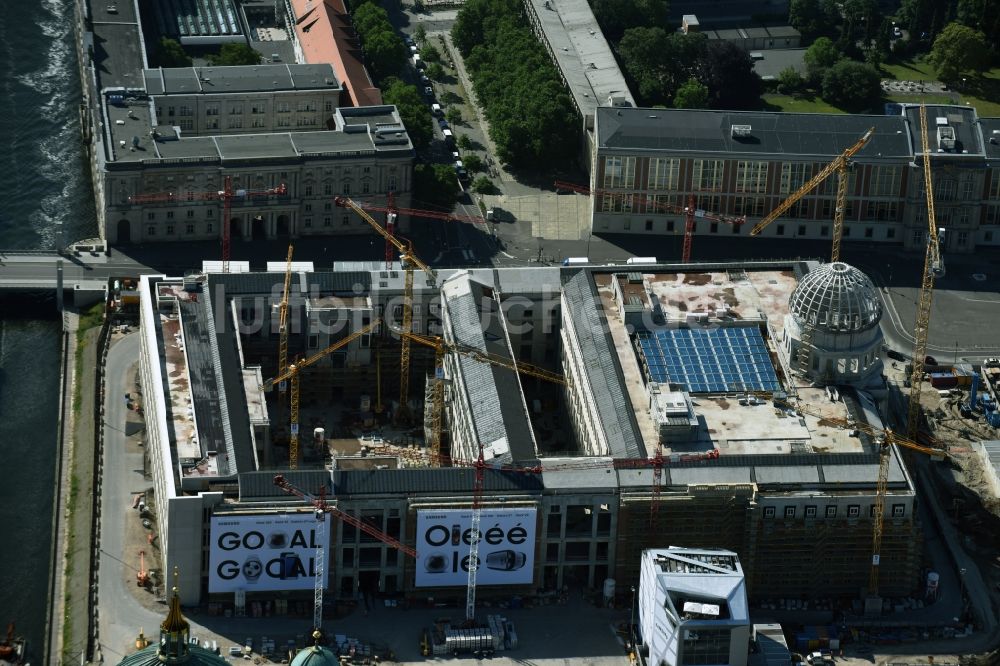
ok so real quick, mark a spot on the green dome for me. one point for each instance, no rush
(197, 656)
(316, 655)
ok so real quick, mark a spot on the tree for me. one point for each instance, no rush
(852, 85)
(658, 63)
(617, 16)
(958, 49)
(790, 81)
(473, 162)
(420, 33)
(385, 52)
(983, 15)
(814, 18)
(234, 55)
(436, 185)
(429, 53)
(691, 95)
(727, 72)
(435, 71)
(170, 53)
(453, 115)
(820, 57)
(413, 111)
(483, 185)
(464, 142)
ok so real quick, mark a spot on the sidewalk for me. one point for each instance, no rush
(466, 83)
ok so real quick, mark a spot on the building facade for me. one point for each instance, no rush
(164, 143)
(587, 514)
(650, 163)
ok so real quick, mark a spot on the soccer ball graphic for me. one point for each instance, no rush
(252, 568)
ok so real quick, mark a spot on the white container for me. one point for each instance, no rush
(609, 589)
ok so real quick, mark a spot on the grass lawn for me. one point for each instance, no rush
(791, 104)
(911, 70)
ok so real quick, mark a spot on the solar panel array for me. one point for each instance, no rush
(715, 360)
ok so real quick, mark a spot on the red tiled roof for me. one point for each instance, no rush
(326, 35)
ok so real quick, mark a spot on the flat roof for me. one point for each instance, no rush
(376, 129)
(754, 298)
(242, 79)
(581, 52)
(804, 135)
(991, 130)
(961, 122)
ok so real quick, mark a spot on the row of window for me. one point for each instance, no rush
(169, 230)
(853, 511)
(239, 108)
(752, 177)
(671, 226)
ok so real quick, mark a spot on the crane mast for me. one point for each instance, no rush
(283, 331)
(933, 268)
(410, 261)
(320, 568)
(292, 374)
(477, 512)
(839, 165)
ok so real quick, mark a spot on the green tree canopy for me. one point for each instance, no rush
(852, 85)
(385, 52)
(235, 54)
(617, 16)
(958, 49)
(430, 53)
(691, 95)
(814, 18)
(532, 120)
(436, 184)
(821, 56)
(453, 115)
(170, 53)
(658, 64)
(413, 111)
(790, 81)
(473, 162)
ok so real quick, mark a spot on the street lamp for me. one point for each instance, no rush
(631, 621)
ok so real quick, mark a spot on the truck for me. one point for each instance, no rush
(575, 261)
(640, 260)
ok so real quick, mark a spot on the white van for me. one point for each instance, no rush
(640, 260)
(448, 136)
(575, 261)
(436, 109)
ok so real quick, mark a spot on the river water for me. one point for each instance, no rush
(45, 201)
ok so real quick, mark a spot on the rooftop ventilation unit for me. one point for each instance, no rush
(740, 131)
(946, 137)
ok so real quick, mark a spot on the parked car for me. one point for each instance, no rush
(443, 124)
(429, 91)
(408, 40)
(436, 109)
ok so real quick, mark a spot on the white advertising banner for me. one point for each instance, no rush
(263, 552)
(506, 547)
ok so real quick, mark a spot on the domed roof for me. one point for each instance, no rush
(196, 656)
(315, 655)
(836, 298)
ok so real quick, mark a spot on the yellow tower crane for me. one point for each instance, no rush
(884, 439)
(292, 374)
(283, 327)
(933, 268)
(409, 261)
(840, 165)
(441, 347)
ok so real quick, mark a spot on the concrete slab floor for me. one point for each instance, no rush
(576, 632)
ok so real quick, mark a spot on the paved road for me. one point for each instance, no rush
(120, 614)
